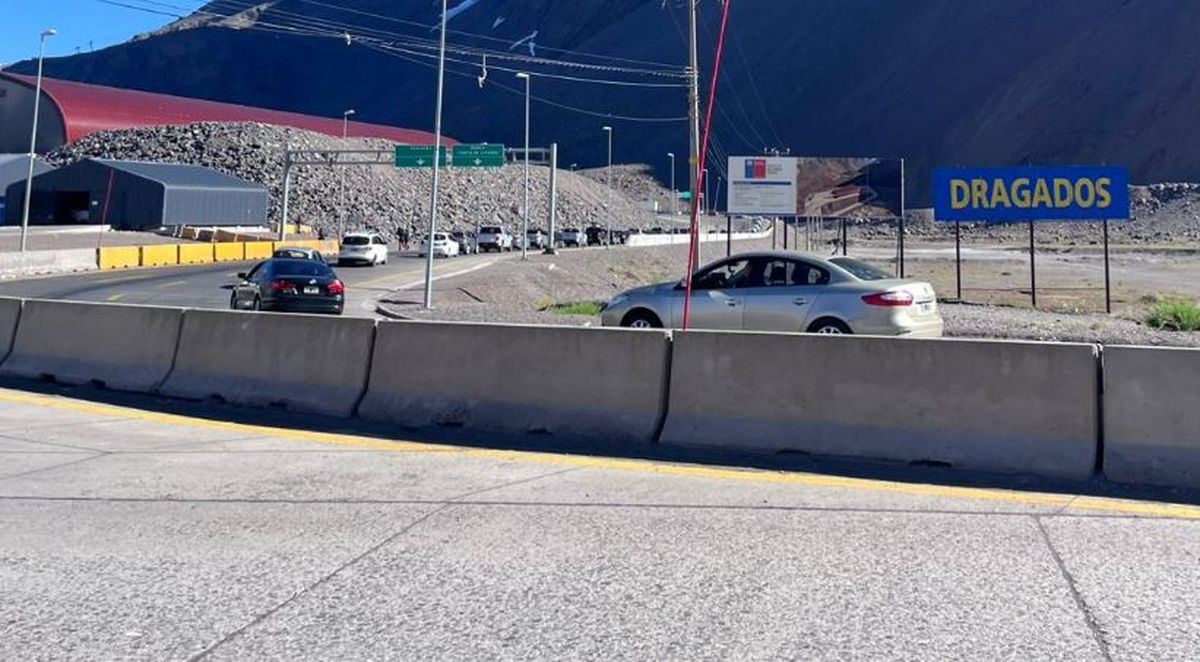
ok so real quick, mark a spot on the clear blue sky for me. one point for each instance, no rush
(78, 22)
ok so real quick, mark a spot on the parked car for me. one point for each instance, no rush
(620, 237)
(363, 248)
(467, 243)
(573, 237)
(596, 235)
(286, 284)
(444, 245)
(298, 253)
(784, 291)
(535, 238)
(494, 238)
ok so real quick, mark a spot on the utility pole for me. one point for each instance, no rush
(694, 99)
(608, 238)
(525, 209)
(674, 195)
(551, 249)
(345, 135)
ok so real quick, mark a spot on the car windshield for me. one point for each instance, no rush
(356, 241)
(300, 268)
(860, 269)
(294, 253)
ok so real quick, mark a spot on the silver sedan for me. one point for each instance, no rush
(782, 291)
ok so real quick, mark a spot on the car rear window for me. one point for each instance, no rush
(356, 241)
(860, 269)
(301, 268)
(490, 230)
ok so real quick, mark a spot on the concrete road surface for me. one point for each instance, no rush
(129, 533)
(200, 286)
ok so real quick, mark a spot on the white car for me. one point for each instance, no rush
(363, 248)
(444, 245)
(494, 238)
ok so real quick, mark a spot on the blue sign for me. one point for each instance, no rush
(1031, 193)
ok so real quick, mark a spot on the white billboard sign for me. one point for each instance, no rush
(762, 186)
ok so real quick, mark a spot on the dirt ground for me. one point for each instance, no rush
(995, 293)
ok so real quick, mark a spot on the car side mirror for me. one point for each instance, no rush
(242, 275)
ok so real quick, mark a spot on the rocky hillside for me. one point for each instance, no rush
(941, 82)
(382, 197)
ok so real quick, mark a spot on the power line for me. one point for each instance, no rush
(551, 102)
(323, 27)
(485, 37)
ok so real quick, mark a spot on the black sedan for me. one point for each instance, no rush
(302, 286)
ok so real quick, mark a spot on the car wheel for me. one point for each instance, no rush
(233, 302)
(257, 305)
(641, 319)
(829, 326)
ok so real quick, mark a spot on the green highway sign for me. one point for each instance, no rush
(478, 156)
(418, 156)
(685, 195)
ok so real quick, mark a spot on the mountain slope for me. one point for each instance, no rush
(940, 82)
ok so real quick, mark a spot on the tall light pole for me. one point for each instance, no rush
(707, 204)
(437, 162)
(674, 196)
(608, 239)
(525, 210)
(345, 134)
(37, 98)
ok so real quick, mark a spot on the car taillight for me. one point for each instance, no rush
(282, 286)
(893, 299)
(336, 287)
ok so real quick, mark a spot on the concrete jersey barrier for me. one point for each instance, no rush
(1151, 415)
(10, 312)
(303, 362)
(127, 348)
(605, 383)
(985, 405)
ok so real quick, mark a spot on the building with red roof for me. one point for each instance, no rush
(70, 111)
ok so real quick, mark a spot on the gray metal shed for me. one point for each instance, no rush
(15, 168)
(139, 195)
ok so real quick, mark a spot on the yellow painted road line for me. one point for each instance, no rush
(1063, 503)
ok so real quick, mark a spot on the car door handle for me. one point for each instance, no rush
(800, 301)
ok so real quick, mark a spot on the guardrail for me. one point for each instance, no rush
(1048, 409)
(150, 255)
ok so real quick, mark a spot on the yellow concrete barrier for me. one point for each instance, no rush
(160, 255)
(330, 246)
(118, 257)
(259, 250)
(229, 252)
(195, 253)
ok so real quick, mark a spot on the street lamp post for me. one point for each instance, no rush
(674, 196)
(608, 238)
(37, 97)
(707, 202)
(427, 302)
(342, 194)
(525, 210)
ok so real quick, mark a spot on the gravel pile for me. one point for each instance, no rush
(381, 197)
(637, 182)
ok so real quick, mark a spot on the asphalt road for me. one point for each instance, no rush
(203, 286)
(129, 533)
